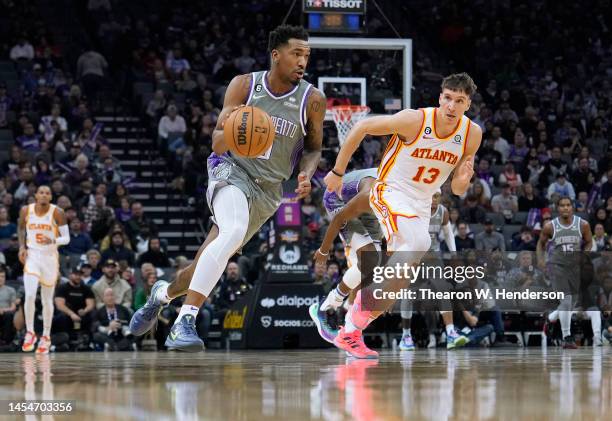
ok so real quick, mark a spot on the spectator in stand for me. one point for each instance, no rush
(231, 288)
(45, 122)
(12, 164)
(463, 241)
(603, 217)
(586, 154)
(123, 213)
(80, 173)
(117, 250)
(94, 257)
(156, 105)
(99, 217)
(472, 212)
(582, 202)
(528, 199)
(510, 177)
(86, 275)
(91, 67)
(7, 228)
(606, 186)
(175, 63)
(505, 203)
(525, 240)
(155, 255)
(583, 178)
(526, 275)
(75, 303)
(597, 143)
(23, 50)
(600, 238)
(573, 145)
(22, 186)
(44, 175)
(534, 172)
(142, 294)
(29, 141)
(8, 306)
(499, 143)
(117, 194)
(489, 239)
(111, 279)
(557, 163)
(561, 187)
(138, 223)
(111, 328)
(171, 130)
(80, 243)
(519, 150)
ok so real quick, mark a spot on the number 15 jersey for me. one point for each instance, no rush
(418, 167)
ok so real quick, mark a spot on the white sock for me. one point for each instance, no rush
(432, 338)
(162, 294)
(405, 332)
(349, 327)
(187, 309)
(566, 322)
(450, 328)
(333, 300)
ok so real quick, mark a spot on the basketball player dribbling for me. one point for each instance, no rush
(42, 228)
(427, 145)
(243, 193)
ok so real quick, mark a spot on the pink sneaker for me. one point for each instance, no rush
(353, 344)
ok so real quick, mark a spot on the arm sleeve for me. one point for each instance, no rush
(64, 237)
(449, 238)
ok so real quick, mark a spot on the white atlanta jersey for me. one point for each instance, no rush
(420, 166)
(39, 226)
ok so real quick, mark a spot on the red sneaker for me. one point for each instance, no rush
(353, 344)
(29, 342)
(43, 345)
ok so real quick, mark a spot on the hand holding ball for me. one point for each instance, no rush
(248, 131)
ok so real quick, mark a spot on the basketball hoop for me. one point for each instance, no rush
(345, 117)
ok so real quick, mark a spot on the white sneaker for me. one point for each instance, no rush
(432, 341)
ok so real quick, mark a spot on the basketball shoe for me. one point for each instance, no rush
(455, 340)
(320, 319)
(184, 337)
(145, 317)
(569, 342)
(406, 343)
(43, 345)
(353, 344)
(29, 342)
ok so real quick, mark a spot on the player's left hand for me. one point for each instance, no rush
(466, 170)
(303, 188)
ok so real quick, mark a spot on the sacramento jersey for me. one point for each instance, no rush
(566, 240)
(367, 223)
(288, 113)
(435, 225)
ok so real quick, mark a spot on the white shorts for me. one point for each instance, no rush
(388, 205)
(44, 265)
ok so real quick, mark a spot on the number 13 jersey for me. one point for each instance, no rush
(418, 167)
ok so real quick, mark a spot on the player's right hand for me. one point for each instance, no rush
(333, 183)
(23, 253)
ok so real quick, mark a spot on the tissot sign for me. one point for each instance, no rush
(342, 6)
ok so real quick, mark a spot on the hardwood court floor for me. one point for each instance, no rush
(467, 384)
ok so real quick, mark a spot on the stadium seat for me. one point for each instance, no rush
(497, 218)
(7, 66)
(520, 218)
(6, 135)
(510, 230)
(476, 228)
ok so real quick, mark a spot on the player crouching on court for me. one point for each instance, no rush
(426, 147)
(42, 228)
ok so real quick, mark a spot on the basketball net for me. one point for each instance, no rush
(345, 117)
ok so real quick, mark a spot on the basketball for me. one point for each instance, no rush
(248, 131)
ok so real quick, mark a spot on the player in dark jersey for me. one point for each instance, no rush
(244, 192)
(570, 236)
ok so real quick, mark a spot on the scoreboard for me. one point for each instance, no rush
(340, 16)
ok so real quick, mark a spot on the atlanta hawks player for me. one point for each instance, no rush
(42, 228)
(426, 146)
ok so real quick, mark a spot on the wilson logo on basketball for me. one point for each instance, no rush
(242, 129)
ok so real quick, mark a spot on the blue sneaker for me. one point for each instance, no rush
(184, 337)
(320, 319)
(455, 340)
(406, 343)
(145, 317)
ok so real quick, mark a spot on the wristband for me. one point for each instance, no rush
(321, 253)
(337, 173)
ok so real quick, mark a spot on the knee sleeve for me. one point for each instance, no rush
(352, 277)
